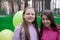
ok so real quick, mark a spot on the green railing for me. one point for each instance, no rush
(6, 22)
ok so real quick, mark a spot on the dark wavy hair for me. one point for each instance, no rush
(27, 34)
(50, 16)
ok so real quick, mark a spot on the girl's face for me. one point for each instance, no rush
(29, 15)
(46, 22)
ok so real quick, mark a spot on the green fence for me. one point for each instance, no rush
(6, 22)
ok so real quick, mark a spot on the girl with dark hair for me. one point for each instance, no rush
(49, 30)
(28, 30)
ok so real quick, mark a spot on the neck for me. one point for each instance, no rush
(48, 27)
(29, 23)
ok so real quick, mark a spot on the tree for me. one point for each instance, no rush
(47, 4)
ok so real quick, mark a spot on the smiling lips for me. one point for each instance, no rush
(30, 18)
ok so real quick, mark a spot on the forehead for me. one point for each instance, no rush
(44, 16)
(30, 11)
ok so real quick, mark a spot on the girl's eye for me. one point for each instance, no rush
(45, 19)
(28, 13)
(33, 14)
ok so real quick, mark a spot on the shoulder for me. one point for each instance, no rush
(18, 28)
(58, 27)
(16, 35)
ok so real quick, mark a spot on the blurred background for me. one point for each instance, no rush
(11, 8)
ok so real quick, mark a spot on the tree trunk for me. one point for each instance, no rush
(47, 4)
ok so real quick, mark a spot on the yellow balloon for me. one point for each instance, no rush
(17, 18)
(6, 35)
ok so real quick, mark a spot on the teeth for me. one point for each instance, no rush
(29, 18)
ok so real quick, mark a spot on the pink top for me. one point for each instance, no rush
(49, 34)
